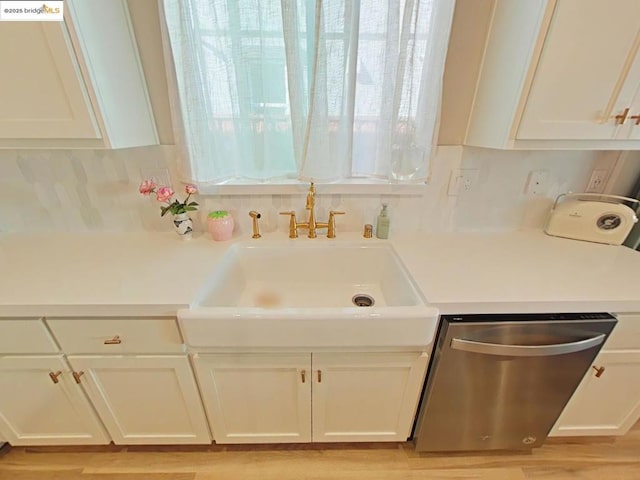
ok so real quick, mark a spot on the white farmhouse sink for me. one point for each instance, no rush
(301, 295)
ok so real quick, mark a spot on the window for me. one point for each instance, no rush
(308, 89)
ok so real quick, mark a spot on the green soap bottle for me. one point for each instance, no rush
(382, 227)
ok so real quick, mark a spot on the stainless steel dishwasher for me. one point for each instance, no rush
(501, 381)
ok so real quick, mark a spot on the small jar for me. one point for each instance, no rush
(220, 225)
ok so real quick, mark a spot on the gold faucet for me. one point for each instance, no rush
(311, 224)
(311, 206)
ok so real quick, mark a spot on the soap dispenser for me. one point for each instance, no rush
(382, 227)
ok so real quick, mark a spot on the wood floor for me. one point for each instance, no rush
(575, 459)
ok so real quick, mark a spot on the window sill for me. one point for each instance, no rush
(295, 187)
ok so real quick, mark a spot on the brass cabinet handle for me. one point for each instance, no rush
(636, 118)
(620, 119)
(76, 376)
(303, 375)
(599, 371)
(54, 376)
(319, 376)
(114, 341)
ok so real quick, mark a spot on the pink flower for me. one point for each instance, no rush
(190, 189)
(147, 187)
(164, 194)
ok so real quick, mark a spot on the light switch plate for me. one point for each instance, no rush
(462, 180)
(537, 183)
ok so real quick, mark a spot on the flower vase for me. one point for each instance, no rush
(220, 225)
(183, 225)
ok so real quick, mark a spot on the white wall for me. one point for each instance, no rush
(78, 190)
(97, 190)
(499, 200)
(87, 190)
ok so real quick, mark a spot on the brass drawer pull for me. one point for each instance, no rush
(620, 119)
(599, 371)
(114, 341)
(76, 377)
(54, 376)
(303, 375)
(636, 118)
(319, 376)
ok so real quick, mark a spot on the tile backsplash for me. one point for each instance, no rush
(97, 190)
(78, 190)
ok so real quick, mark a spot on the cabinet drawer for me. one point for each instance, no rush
(117, 335)
(25, 335)
(626, 333)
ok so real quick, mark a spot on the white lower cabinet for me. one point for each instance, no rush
(256, 398)
(302, 397)
(608, 404)
(41, 404)
(607, 401)
(149, 399)
(365, 396)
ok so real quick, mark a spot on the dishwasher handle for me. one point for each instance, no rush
(526, 350)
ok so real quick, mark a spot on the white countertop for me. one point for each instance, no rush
(157, 273)
(102, 274)
(526, 271)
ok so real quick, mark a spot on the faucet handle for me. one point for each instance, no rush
(293, 225)
(331, 230)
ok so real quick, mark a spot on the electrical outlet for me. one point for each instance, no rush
(462, 180)
(597, 181)
(537, 183)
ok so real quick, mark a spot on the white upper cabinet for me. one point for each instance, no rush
(42, 95)
(560, 74)
(74, 84)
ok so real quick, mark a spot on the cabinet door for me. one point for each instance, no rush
(585, 75)
(605, 405)
(366, 396)
(145, 399)
(41, 90)
(631, 129)
(34, 410)
(257, 398)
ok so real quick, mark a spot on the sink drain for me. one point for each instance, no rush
(362, 300)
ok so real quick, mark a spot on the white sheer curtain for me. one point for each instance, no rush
(308, 89)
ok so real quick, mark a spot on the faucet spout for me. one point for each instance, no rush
(312, 224)
(311, 206)
(311, 197)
